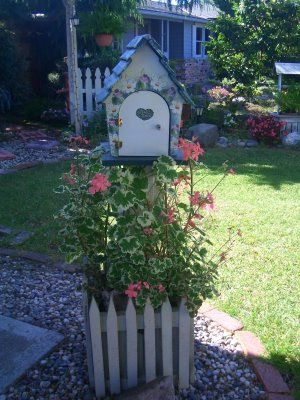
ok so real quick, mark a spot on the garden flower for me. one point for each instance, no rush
(146, 285)
(195, 199)
(170, 216)
(209, 204)
(180, 179)
(232, 171)
(69, 180)
(131, 291)
(161, 288)
(138, 286)
(148, 231)
(190, 149)
(72, 169)
(223, 257)
(99, 184)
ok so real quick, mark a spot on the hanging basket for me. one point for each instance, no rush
(104, 39)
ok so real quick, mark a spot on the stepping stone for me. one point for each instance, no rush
(5, 230)
(30, 135)
(21, 237)
(6, 155)
(22, 345)
(43, 144)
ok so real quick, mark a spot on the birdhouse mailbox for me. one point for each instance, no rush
(143, 102)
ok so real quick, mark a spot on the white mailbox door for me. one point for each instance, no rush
(145, 125)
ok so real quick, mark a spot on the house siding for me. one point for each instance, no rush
(188, 39)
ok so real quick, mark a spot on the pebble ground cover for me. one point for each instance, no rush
(260, 284)
(50, 298)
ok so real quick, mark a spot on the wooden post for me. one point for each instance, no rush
(72, 63)
(279, 90)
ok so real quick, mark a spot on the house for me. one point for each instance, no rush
(182, 36)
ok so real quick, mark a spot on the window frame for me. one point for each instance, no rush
(203, 42)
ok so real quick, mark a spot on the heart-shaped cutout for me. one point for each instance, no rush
(144, 114)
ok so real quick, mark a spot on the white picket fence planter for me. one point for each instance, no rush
(127, 349)
(89, 85)
(292, 121)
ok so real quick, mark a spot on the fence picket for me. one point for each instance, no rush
(89, 93)
(131, 345)
(166, 331)
(184, 345)
(149, 338)
(98, 84)
(106, 72)
(96, 340)
(80, 92)
(113, 348)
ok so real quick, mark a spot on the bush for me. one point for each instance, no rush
(289, 99)
(140, 245)
(266, 129)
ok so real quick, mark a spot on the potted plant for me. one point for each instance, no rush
(103, 25)
(142, 234)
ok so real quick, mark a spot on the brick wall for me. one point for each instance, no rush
(192, 71)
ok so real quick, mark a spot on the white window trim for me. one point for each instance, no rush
(201, 56)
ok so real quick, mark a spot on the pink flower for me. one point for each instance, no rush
(180, 179)
(161, 288)
(232, 171)
(146, 285)
(198, 216)
(99, 184)
(72, 169)
(190, 149)
(131, 291)
(69, 180)
(170, 216)
(195, 199)
(148, 231)
(209, 204)
(223, 257)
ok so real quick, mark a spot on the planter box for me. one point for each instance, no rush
(292, 121)
(126, 349)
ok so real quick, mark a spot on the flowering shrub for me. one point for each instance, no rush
(142, 231)
(220, 94)
(266, 128)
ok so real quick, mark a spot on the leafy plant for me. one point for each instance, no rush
(99, 21)
(289, 99)
(139, 244)
(266, 128)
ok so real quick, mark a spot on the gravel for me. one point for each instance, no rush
(23, 154)
(51, 298)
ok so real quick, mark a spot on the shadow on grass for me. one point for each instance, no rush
(264, 166)
(290, 369)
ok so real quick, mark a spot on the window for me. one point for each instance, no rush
(201, 37)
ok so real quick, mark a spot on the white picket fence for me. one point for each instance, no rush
(127, 349)
(89, 85)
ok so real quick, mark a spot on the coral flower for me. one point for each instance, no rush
(131, 291)
(195, 199)
(190, 149)
(99, 184)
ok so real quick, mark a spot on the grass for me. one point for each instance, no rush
(260, 284)
(28, 202)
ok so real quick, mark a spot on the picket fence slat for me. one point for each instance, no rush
(113, 348)
(167, 351)
(96, 340)
(127, 345)
(89, 85)
(149, 338)
(184, 345)
(131, 345)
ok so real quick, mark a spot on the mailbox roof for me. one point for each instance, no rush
(126, 59)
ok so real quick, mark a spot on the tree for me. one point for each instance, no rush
(249, 36)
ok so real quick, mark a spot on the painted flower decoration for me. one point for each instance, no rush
(99, 184)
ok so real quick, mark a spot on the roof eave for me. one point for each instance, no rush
(170, 15)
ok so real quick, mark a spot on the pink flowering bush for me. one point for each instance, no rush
(220, 94)
(139, 245)
(266, 129)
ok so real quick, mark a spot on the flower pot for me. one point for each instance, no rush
(126, 348)
(104, 39)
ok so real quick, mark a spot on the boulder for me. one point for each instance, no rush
(292, 139)
(251, 143)
(207, 134)
(159, 389)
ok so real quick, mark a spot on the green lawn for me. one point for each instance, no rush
(260, 284)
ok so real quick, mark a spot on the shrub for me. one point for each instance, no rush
(266, 129)
(289, 99)
(138, 244)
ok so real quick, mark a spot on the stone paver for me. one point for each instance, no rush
(22, 345)
(251, 344)
(270, 376)
(6, 155)
(21, 238)
(226, 321)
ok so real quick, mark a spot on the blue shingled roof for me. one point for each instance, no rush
(126, 59)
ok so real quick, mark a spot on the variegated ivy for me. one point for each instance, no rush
(141, 235)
